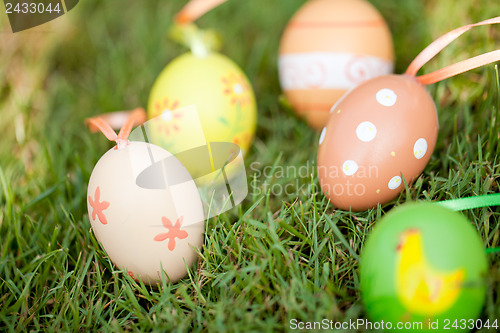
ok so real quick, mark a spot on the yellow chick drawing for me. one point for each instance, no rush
(423, 289)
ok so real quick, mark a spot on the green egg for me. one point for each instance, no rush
(426, 264)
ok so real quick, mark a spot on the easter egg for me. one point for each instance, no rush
(220, 91)
(423, 264)
(146, 211)
(381, 131)
(328, 47)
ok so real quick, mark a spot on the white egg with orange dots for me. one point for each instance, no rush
(144, 209)
(147, 205)
(329, 47)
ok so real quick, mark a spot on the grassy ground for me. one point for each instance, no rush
(274, 258)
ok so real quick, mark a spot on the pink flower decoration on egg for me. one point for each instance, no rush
(174, 231)
(237, 89)
(165, 105)
(131, 274)
(167, 111)
(98, 206)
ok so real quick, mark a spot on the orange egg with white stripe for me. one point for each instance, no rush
(329, 47)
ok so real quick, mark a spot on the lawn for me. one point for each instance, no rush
(278, 256)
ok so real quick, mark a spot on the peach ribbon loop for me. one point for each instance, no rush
(100, 123)
(439, 44)
(194, 9)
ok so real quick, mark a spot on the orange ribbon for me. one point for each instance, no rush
(194, 9)
(439, 44)
(102, 123)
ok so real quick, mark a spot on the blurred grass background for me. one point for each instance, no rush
(274, 258)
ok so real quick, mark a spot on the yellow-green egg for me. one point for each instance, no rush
(221, 92)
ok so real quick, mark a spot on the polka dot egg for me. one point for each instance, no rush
(378, 133)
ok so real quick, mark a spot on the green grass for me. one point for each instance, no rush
(275, 257)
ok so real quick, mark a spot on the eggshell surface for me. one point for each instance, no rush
(328, 47)
(423, 263)
(381, 131)
(220, 91)
(144, 228)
